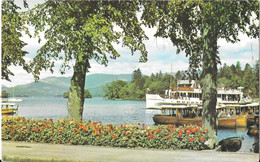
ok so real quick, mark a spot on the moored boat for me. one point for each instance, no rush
(231, 144)
(178, 115)
(8, 108)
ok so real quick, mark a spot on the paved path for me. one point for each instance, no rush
(22, 151)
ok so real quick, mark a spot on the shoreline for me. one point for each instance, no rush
(25, 151)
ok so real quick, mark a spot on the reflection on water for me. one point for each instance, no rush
(109, 111)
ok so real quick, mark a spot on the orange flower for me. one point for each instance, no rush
(47, 126)
(180, 134)
(99, 134)
(124, 127)
(12, 131)
(207, 131)
(190, 139)
(89, 121)
(105, 133)
(112, 134)
(180, 131)
(42, 127)
(143, 124)
(60, 131)
(124, 132)
(138, 123)
(76, 123)
(117, 128)
(78, 135)
(200, 124)
(167, 137)
(150, 137)
(192, 130)
(97, 137)
(114, 137)
(188, 132)
(196, 129)
(37, 128)
(75, 129)
(201, 139)
(32, 130)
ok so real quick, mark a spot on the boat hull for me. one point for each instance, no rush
(8, 111)
(161, 119)
(227, 122)
(231, 144)
(242, 121)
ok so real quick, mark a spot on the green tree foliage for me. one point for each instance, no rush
(195, 27)
(5, 94)
(87, 94)
(80, 31)
(246, 78)
(139, 86)
(12, 45)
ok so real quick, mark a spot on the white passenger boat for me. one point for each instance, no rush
(188, 93)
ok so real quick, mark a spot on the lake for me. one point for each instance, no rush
(109, 111)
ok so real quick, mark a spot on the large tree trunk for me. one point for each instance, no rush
(209, 80)
(76, 93)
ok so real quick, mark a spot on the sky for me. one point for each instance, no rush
(161, 56)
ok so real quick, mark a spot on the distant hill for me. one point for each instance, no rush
(54, 86)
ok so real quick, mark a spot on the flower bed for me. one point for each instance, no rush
(66, 131)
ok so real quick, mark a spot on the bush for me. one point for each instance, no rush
(66, 131)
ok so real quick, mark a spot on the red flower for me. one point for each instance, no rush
(105, 133)
(89, 121)
(99, 134)
(47, 126)
(188, 132)
(180, 134)
(124, 132)
(190, 139)
(12, 131)
(192, 130)
(76, 123)
(150, 137)
(201, 139)
(97, 137)
(200, 124)
(143, 124)
(124, 126)
(167, 137)
(42, 127)
(138, 123)
(181, 131)
(112, 134)
(196, 129)
(75, 129)
(207, 131)
(114, 137)
(60, 131)
(37, 128)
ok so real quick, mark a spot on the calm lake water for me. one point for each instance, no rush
(109, 111)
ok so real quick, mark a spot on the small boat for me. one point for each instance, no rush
(178, 115)
(227, 122)
(8, 108)
(15, 100)
(231, 144)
